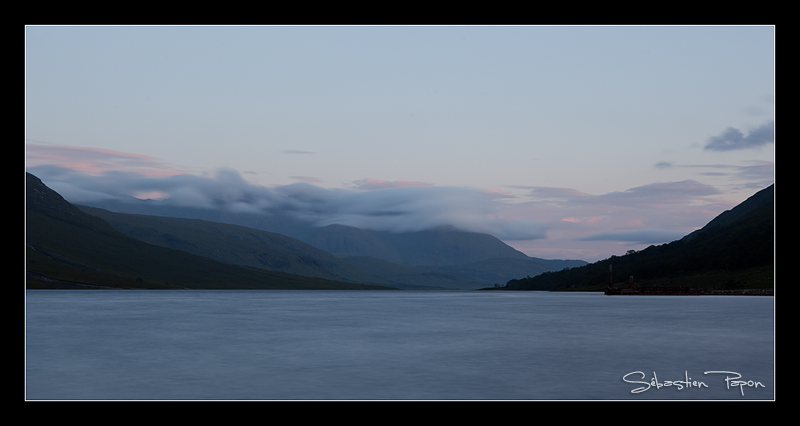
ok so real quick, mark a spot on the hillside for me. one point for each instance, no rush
(410, 278)
(444, 246)
(735, 249)
(236, 245)
(437, 258)
(239, 245)
(67, 248)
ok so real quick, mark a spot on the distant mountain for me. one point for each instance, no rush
(236, 245)
(444, 246)
(739, 239)
(244, 246)
(410, 278)
(443, 257)
(68, 248)
(346, 241)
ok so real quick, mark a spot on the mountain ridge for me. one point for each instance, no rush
(443, 246)
(444, 252)
(68, 248)
(235, 244)
(737, 243)
(244, 246)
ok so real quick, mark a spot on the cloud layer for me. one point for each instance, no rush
(588, 226)
(541, 221)
(93, 160)
(395, 208)
(642, 236)
(733, 139)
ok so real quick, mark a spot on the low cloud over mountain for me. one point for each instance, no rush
(395, 208)
(545, 222)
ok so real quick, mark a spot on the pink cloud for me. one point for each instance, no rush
(496, 193)
(155, 195)
(94, 160)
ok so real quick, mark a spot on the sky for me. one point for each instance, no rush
(566, 142)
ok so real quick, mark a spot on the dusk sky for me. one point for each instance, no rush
(563, 141)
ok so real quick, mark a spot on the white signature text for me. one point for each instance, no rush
(732, 380)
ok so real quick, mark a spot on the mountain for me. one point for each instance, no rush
(438, 258)
(441, 258)
(236, 245)
(761, 203)
(737, 248)
(68, 248)
(239, 245)
(410, 278)
(443, 246)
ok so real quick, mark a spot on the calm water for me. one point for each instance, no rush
(396, 345)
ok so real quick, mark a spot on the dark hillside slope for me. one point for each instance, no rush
(67, 248)
(236, 245)
(738, 239)
(444, 246)
(410, 278)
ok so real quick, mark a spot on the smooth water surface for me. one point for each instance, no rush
(395, 345)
